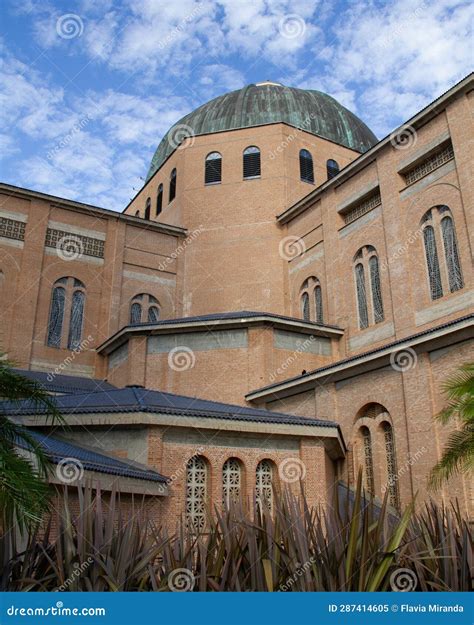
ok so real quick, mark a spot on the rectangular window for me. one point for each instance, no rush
(440, 157)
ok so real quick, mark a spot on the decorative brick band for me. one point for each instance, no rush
(89, 245)
(12, 229)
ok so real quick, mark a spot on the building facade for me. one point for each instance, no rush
(309, 285)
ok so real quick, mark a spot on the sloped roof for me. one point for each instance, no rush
(58, 450)
(65, 383)
(137, 399)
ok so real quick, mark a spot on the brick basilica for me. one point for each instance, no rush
(282, 300)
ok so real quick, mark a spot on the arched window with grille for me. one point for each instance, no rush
(148, 208)
(197, 476)
(213, 168)
(264, 485)
(432, 262)
(311, 298)
(453, 264)
(332, 168)
(376, 289)
(172, 193)
(361, 296)
(159, 199)
(306, 166)
(368, 287)
(144, 308)
(251, 162)
(368, 460)
(392, 475)
(66, 313)
(231, 482)
(305, 310)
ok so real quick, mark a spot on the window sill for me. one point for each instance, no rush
(252, 178)
(211, 184)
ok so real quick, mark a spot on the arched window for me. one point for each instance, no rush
(453, 265)
(368, 460)
(264, 484)
(361, 296)
(147, 208)
(305, 306)
(392, 476)
(213, 168)
(66, 313)
(144, 308)
(369, 303)
(252, 162)
(196, 493)
(376, 290)
(172, 194)
(311, 297)
(159, 199)
(231, 482)
(439, 233)
(332, 168)
(306, 166)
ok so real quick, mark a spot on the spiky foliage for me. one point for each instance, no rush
(458, 453)
(354, 546)
(23, 487)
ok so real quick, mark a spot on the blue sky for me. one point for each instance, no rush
(90, 87)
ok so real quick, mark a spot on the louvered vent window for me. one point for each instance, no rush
(362, 208)
(437, 159)
(252, 162)
(332, 168)
(306, 166)
(213, 168)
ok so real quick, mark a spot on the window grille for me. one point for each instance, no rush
(12, 229)
(159, 200)
(88, 245)
(332, 168)
(434, 276)
(77, 319)
(153, 314)
(231, 482)
(376, 289)
(305, 307)
(453, 265)
(196, 493)
(368, 459)
(361, 296)
(318, 303)
(362, 208)
(263, 485)
(213, 168)
(172, 193)
(441, 157)
(251, 162)
(392, 477)
(306, 166)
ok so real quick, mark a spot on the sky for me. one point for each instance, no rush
(89, 87)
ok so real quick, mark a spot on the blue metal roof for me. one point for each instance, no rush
(137, 399)
(57, 450)
(65, 383)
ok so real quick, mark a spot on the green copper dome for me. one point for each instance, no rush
(268, 103)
